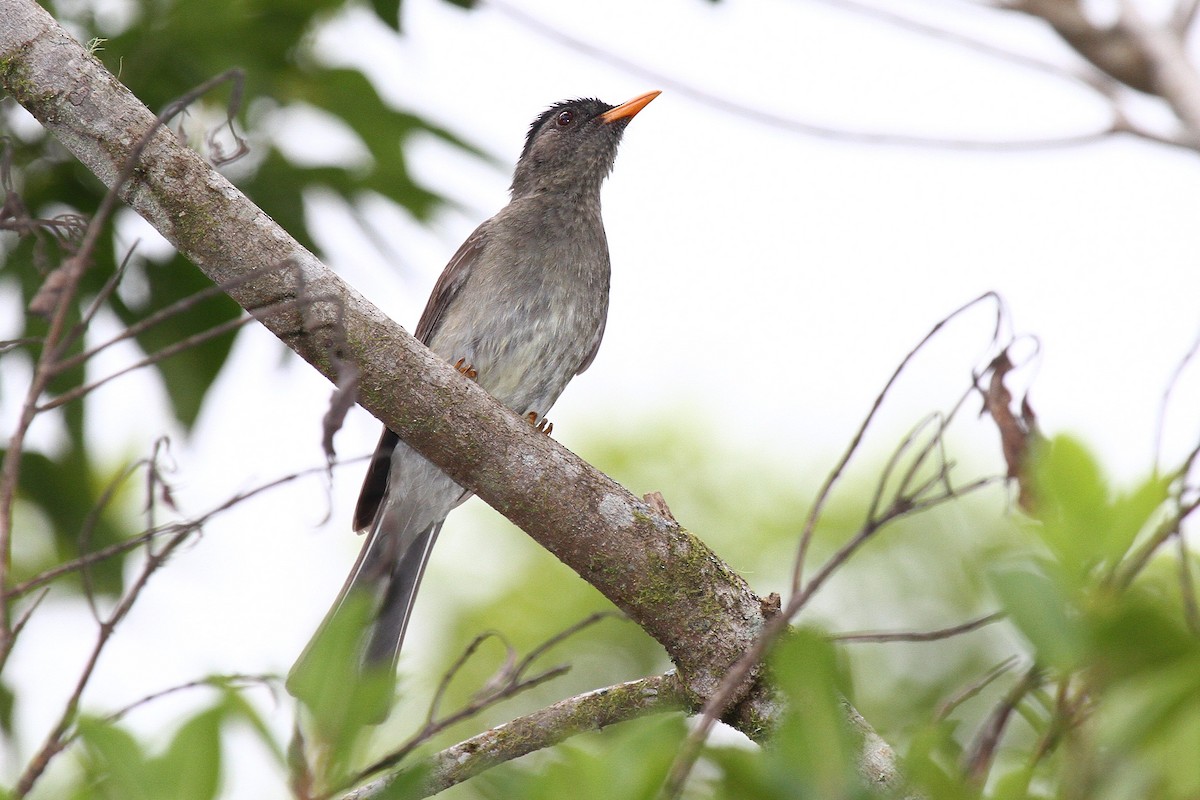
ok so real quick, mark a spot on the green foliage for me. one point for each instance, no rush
(115, 764)
(1082, 524)
(341, 700)
(814, 752)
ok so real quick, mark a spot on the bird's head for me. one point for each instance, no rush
(572, 145)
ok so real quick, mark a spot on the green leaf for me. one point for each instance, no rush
(1130, 513)
(1137, 634)
(1043, 613)
(932, 759)
(342, 698)
(190, 769)
(115, 763)
(1013, 784)
(814, 748)
(1072, 505)
(388, 12)
(237, 708)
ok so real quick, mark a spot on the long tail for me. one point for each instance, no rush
(399, 592)
(371, 612)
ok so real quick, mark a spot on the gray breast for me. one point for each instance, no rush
(532, 311)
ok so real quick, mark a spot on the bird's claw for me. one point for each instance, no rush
(466, 369)
(545, 426)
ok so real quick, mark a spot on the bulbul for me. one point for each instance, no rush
(521, 309)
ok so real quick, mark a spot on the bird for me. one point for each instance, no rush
(521, 309)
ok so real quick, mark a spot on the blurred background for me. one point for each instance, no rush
(818, 185)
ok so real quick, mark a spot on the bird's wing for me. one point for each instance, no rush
(449, 283)
(444, 291)
(375, 483)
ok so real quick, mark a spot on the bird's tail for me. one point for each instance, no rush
(360, 637)
(399, 592)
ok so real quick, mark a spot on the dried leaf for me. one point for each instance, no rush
(1018, 434)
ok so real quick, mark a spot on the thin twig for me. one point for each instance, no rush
(1174, 77)
(120, 548)
(160, 316)
(1125, 571)
(56, 297)
(1093, 80)
(914, 500)
(160, 355)
(796, 126)
(209, 682)
(93, 518)
(836, 473)
(175, 348)
(920, 636)
(510, 681)
(1172, 383)
(946, 708)
(455, 668)
(1183, 17)
(977, 759)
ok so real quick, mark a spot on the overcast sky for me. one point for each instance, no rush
(765, 283)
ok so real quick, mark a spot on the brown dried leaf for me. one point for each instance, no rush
(344, 396)
(1018, 434)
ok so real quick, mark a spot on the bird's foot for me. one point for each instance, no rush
(545, 426)
(466, 369)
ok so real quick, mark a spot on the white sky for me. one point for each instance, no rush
(764, 283)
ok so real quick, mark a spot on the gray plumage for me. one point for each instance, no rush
(523, 302)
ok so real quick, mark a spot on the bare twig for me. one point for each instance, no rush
(95, 512)
(921, 636)
(1068, 710)
(1183, 17)
(1125, 571)
(511, 680)
(176, 534)
(978, 757)
(1097, 82)
(208, 682)
(971, 690)
(1164, 401)
(835, 474)
(154, 319)
(802, 127)
(173, 349)
(155, 532)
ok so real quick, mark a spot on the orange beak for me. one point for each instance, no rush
(627, 110)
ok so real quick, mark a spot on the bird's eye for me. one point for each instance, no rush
(565, 118)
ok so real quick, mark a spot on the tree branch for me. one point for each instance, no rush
(541, 729)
